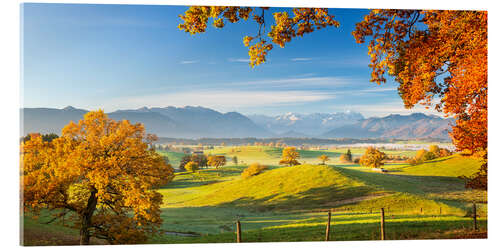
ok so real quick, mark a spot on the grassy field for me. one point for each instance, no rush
(290, 203)
(173, 157)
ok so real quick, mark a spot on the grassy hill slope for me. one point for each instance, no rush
(302, 186)
(451, 166)
(269, 155)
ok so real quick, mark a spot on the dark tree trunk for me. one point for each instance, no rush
(87, 218)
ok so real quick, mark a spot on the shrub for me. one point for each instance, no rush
(253, 169)
(444, 152)
(424, 155)
(412, 161)
(191, 166)
(347, 157)
(356, 160)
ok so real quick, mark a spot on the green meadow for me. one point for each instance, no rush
(425, 201)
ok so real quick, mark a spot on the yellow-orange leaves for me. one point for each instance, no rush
(435, 56)
(286, 26)
(289, 156)
(101, 170)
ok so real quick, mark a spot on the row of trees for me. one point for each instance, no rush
(197, 161)
(423, 155)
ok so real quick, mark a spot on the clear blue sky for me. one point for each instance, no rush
(129, 56)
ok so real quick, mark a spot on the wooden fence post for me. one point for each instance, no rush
(475, 216)
(382, 224)
(238, 232)
(421, 210)
(327, 238)
(439, 210)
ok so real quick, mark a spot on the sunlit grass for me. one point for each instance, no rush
(289, 203)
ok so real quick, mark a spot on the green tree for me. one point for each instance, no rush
(235, 160)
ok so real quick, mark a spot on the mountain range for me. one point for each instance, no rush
(306, 124)
(416, 125)
(200, 122)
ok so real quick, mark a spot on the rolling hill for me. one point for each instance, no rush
(302, 186)
(451, 166)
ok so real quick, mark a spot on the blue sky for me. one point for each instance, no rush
(129, 56)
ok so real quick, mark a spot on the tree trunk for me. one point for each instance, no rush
(87, 218)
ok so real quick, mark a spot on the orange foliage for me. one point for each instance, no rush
(439, 57)
(372, 158)
(435, 55)
(100, 171)
(323, 159)
(252, 170)
(216, 160)
(289, 157)
(286, 26)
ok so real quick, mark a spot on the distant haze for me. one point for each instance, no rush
(201, 122)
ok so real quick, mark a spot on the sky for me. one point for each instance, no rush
(114, 57)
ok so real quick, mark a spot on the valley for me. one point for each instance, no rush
(291, 203)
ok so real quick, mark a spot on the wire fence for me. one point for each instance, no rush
(472, 211)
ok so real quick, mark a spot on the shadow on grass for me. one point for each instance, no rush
(405, 230)
(322, 197)
(412, 184)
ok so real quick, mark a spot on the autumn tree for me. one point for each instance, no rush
(253, 169)
(444, 152)
(216, 161)
(289, 156)
(372, 158)
(431, 53)
(434, 149)
(286, 26)
(323, 159)
(423, 155)
(191, 166)
(347, 157)
(438, 57)
(184, 160)
(102, 174)
(199, 159)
